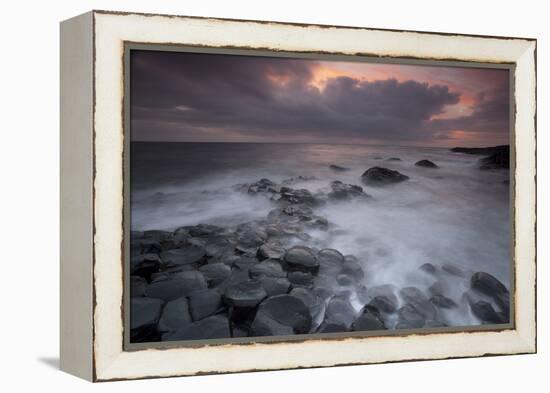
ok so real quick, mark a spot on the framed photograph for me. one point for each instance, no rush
(245, 195)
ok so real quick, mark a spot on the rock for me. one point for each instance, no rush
(268, 268)
(410, 318)
(138, 285)
(314, 303)
(264, 325)
(353, 269)
(330, 261)
(180, 284)
(343, 192)
(492, 287)
(263, 186)
(275, 286)
(345, 280)
(367, 321)
(483, 151)
(378, 176)
(413, 296)
(426, 164)
(148, 245)
(204, 303)
(486, 313)
(428, 268)
(385, 304)
(300, 279)
(300, 258)
(500, 159)
(443, 301)
(385, 292)
(340, 309)
(246, 294)
(286, 310)
(250, 240)
(338, 168)
(432, 323)
(187, 255)
(175, 315)
(215, 273)
(298, 179)
(332, 327)
(213, 327)
(270, 251)
(453, 270)
(297, 197)
(145, 265)
(218, 247)
(245, 262)
(144, 316)
(393, 159)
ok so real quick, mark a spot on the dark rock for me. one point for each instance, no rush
(298, 179)
(486, 313)
(264, 325)
(270, 251)
(453, 270)
(340, 309)
(263, 186)
(268, 268)
(245, 262)
(145, 265)
(432, 323)
(144, 316)
(410, 318)
(353, 268)
(426, 164)
(175, 315)
(421, 303)
(246, 294)
(341, 191)
(367, 321)
(180, 284)
(216, 326)
(300, 279)
(443, 301)
(148, 245)
(286, 310)
(385, 304)
(345, 280)
(218, 247)
(187, 255)
(500, 159)
(428, 268)
(492, 287)
(393, 159)
(215, 273)
(297, 197)
(158, 235)
(378, 176)
(482, 151)
(204, 303)
(387, 292)
(314, 303)
(138, 285)
(301, 258)
(275, 286)
(332, 327)
(240, 331)
(338, 168)
(250, 240)
(438, 288)
(330, 260)
(205, 230)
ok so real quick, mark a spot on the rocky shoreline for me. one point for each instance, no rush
(267, 277)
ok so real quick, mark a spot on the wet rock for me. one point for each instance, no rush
(300, 279)
(340, 309)
(286, 310)
(144, 316)
(492, 287)
(264, 325)
(438, 288)
(419, 301)
(275, 286)
(300, 258)
(378, 176)
(205, 230)
(453, 270)
(296, 197)
(268, 268)
(204, 304)
(216, 326)
(215, 273)
(338, 168)
(250, 241)
(410, 318)
(270, 251)
(246, 294)
(245, 262)
(393, 159)
(443, 301)
(138, 285)
(385, 304)
(187, 255)
(353, 269)
(298, 179)
(386, 291)
(432, 323)
(240, 331)
(218, 247)
(343, 192)
(332, 327)
(180, 284)
(367, 321)
(428, 268)
(426, 164)
(175, 315)
(314, 303)
(330, 261)
(148, 245)
(145, 265)
(499, 159)
(158, 235)
(263, 186)
(486, 313)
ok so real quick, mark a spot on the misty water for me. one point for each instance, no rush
(454, 215)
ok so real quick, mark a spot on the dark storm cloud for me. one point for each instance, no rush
(183, 96)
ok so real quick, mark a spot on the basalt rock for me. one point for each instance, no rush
(178, 285)
(246, 294)
(204, 304)
(215, 273)
(175, 315)
(301, 258)
(144, 316)
(187, 255)
(378, 176)
(285, 310)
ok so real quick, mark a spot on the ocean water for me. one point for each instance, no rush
(456, 214)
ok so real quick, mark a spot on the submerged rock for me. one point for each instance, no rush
(393, 159)
(426, 164)
(410, 318)
(378, 176)
(296, 197)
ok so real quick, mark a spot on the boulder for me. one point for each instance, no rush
(286, 310)
(218, 247)
(486, 313)
(415, 297)
(300, 258)
(268, 268)
(410, 318)
(384, 304)
(453, 270)
(499, 159)
(393, 159)
(291, 196)
(180, 284)
(330, 261)
(353, 268)
(492, 287)
(215, 273)
(148, 245)
(187, 255)
(263, 186)
(274, 286)
(270, 251)
(367, 321)
(175, 315)
(206, 231)
(216, 326)
(428, 268)
(144, 317)
(426, 164)
(378, 176)
(386, 294)
(205, 303)
(332, 327)
(344, 192)
(246, 294)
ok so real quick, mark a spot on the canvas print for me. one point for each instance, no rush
(285, 196)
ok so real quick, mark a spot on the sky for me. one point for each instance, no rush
(191, 97)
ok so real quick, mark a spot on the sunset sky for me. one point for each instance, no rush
(187, 97)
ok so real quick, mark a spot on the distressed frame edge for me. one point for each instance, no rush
(76, 196)
(528, 340)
